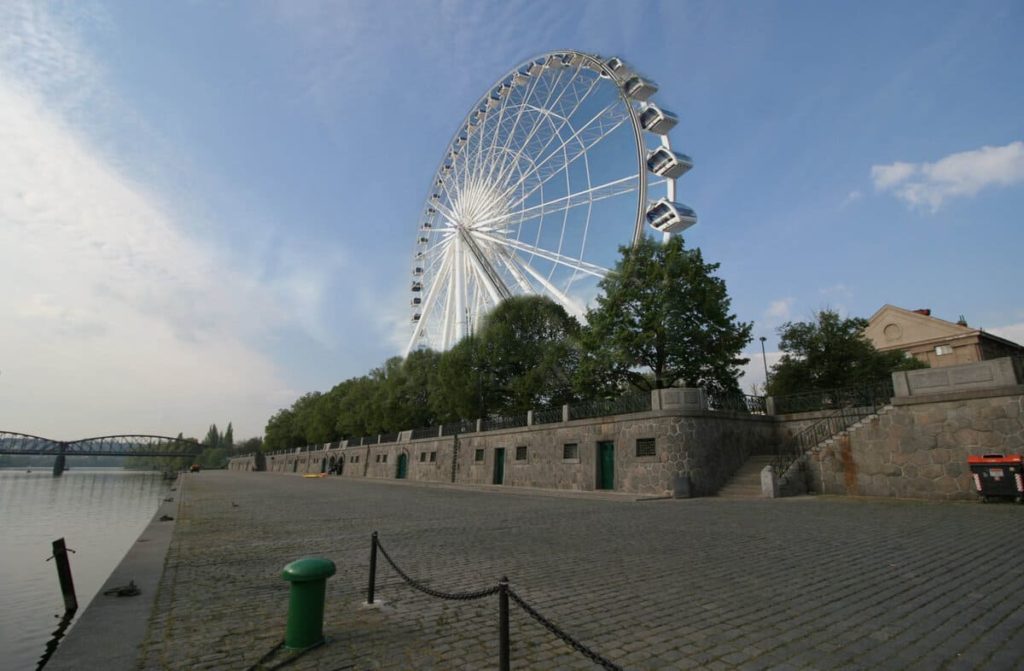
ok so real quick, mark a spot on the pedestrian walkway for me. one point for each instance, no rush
(820, 583)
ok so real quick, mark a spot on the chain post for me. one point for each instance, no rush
(373, 568)
(503, 645)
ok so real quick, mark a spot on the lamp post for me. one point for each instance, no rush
(764, 360)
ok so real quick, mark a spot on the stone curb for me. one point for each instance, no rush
(110, 632)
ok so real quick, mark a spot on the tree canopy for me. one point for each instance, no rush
(663, 321)
(831, 352)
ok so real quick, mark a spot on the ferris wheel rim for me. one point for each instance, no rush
(460, 137)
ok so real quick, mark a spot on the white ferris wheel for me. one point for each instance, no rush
(562, 161)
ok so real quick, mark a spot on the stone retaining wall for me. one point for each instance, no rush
(919, 447)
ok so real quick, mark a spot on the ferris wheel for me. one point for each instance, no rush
(563, 160)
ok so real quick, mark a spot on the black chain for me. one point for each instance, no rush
(566, 638)
(451, 596)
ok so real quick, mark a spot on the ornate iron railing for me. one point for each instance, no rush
(624, 405)
(752, 405)
(831, 399)
(495, 423)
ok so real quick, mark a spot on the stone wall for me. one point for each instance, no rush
(695, 453)
(919, 447)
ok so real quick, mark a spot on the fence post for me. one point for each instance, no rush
(373, 568)
(503, 662)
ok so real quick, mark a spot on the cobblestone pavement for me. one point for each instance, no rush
(808, 583)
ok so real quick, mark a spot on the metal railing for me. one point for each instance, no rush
(624, 405)
(495, 423)
(831, 399)
(745, 403)
(505, 594)
(388, 438)
(461, 426)
(424, 432)
(551, 416)
(838, 420)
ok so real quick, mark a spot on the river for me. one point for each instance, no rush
(100, 512)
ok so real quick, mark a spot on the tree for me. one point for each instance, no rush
(227, 441)
(663, 321)
(829, 353)
(213, 438)
(527, 354)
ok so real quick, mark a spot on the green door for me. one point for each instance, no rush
(499, 465)
(403, 466)
(606, 465)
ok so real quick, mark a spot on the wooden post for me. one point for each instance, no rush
(67, 585)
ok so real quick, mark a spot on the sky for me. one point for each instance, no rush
(209, 209)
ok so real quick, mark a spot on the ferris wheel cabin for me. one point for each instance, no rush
(668, 217)
(664, 162)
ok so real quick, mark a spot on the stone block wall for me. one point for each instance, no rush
(919, 447)
(695, 452)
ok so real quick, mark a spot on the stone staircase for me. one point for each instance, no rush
(746, 483)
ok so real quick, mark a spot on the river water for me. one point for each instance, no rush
(99, 512)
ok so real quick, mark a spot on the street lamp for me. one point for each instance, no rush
(764, 360)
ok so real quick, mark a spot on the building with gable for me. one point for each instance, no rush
(935, 341)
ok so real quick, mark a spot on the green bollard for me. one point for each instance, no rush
(308, 577)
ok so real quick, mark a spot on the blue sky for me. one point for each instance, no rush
(209, 209)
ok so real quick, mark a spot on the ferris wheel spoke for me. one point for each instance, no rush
(581, 132)
(548, 103)
(547, 254)
(554, 291)
(611, 189)
(545, 115)
(585, 144)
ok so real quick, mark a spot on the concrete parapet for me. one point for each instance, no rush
(993, 373)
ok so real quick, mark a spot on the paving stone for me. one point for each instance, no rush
(817, 582)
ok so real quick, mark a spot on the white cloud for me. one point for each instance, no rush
(779, 311)
(851, 197)
(958, 175)
(1012, 332)
(113, 320)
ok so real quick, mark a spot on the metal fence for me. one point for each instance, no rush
(388, 438)
(831, 399)
(424, 432)
(551, 416)
(495, 423)
(745, 403)
(624, 405)
(461, 426)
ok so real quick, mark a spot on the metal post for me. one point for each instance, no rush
(373, 568)
(67, 585)
(503, 663)
(764, 360)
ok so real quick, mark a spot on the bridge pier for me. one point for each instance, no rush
(58, 463)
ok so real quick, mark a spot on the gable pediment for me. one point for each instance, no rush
(895, 327)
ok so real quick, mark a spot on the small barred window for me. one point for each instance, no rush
(478, 455)
(521, 453)
(433, 456)
(570, 451)
(645, 447)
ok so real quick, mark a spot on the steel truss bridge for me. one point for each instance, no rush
(102, 446)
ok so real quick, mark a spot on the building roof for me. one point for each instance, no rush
(893, 327)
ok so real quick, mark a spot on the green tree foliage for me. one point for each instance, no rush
(282, 432)
(228, 439)
(663, 321)
(527, 352)
(831, 352)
